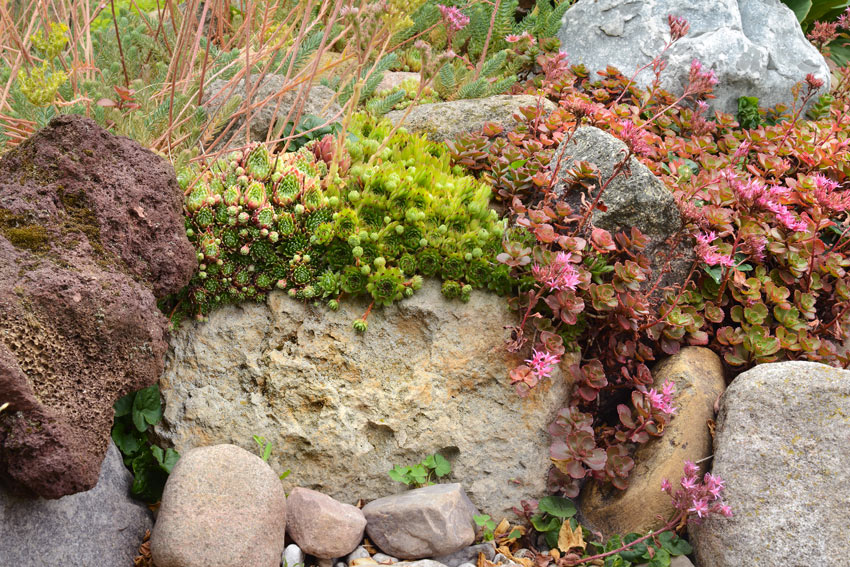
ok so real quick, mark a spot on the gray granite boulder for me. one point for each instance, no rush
(448, 120)
(783, 447)
(273, 107)
(755, 47)
(425, 522)
(638, 200)
(102, 526)
(222, 507)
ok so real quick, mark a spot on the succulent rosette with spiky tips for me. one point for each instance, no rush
(262, 221)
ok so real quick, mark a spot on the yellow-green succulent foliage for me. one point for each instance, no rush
(262, 221)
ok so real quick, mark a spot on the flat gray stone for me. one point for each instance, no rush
(448, 120)
(782, 446)
(426, 522)
(383, 558)
(99, 527)
(319, 102)
(469, 554)
(755, 47)
(222, 507)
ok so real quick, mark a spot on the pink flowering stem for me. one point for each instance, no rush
(487, 41)
(728, 271)
(617, 169)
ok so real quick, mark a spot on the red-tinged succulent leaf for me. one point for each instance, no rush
(596, 460)
(639, 437)
(625, 415)
(571, 468)
(602, 240)
(621, 465)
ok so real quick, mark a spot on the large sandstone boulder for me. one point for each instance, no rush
(222, 507)
(448, 120)
(274, 98)
(755, 47)
(782, 447)
(91, 235)
(103, 526)
(341, 409)
(642, 507)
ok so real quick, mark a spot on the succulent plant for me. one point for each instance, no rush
(262, 221)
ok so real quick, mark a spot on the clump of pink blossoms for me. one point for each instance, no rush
(559, 275)
(755, 194)
(708, 253)
(699, 81)
(663, 400)
(698, 499)
(542, 363)
(454, 19)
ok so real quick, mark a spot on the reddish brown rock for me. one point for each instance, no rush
(91, 235)
(322, 526)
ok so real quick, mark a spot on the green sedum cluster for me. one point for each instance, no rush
(261, 221)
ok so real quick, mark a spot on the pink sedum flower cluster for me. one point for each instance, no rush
(634, 138)
(559, 275)
(700, 81)
(663, 400)
(755, 194)
(454, 19)
(709, 253)
(697, 498)
(827, 197)
(679, 27)
(542, 363)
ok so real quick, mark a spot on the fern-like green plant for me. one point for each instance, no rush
(380, 106)
(455, 81)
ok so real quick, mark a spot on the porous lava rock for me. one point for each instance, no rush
(91, 235)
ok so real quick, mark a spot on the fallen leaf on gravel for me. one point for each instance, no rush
(524, 561)
(569, 538)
